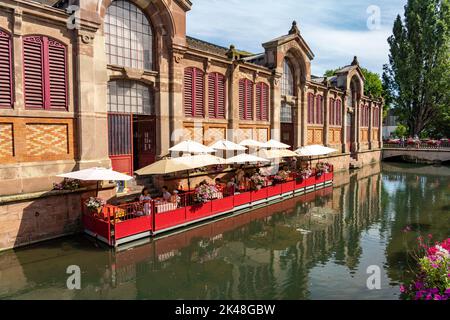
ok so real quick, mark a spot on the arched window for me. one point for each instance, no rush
(45, 73)
(262, 101)
(287, 80)
(6, 91)
(194, 99)
(335, 109)
(246, 99)
(216, 96)
(127, 96)
(128, 36)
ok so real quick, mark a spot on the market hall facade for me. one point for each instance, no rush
(117, 83)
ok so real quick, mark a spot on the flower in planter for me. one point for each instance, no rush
(433, 277)
(94, 203)
(205, 193)
(257, 180)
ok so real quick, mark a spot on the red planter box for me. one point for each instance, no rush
(259, 195)
(241, 199)
(198, 211)
(328, 176)
(97, 227)
(170, 219)
(300, 184)
(310, 181)
(288, 187)
(274, 190)
(222, 205)
(134, 226)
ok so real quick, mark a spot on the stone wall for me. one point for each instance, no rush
(45, 217)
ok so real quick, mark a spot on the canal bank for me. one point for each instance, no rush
(310, 247)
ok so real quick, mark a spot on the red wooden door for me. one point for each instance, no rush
(287, 134)
(120, 128)
(144, 142)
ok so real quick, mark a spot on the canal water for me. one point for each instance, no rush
(316, 246)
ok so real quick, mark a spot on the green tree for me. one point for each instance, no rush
(417, 78)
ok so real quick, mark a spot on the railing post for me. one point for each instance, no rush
(153, 216)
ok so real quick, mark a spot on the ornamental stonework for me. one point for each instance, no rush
(47, 139)
(6, 140)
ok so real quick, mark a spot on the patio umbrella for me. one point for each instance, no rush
(276, 153)
(274, 144)
(252, 143)
(314, 150)
(96, 174)
(198, 161)
(244, 158)
(226, 145)
(190, 146)
(164, 166)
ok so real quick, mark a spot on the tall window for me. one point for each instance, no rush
(311, 108)
(287, 80)
(335, 112)
(128, 36)
(216, 96)
(245, 99)
(364, 116)
(319, 110)
(45, 73)
(6, 91)
(286, 113)
(194, 99)
(376, 117)
(126, 96)
(262, 102)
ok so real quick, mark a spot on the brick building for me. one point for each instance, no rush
(118, 82)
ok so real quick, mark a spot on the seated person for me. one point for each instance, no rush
(166, 194)
(219, 185)
(175, 198)
(145, 197)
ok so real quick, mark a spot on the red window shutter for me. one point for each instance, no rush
(188, 92)
(242, 99)
(338, 113)
(221, 96)
(310, 108)
(249, 101)
(199, 93)
(331, 111)
(216, 96)
(319, 110)
(6, 92)
(33, 66)
(259, 95)
(57, 71)
(264, 102)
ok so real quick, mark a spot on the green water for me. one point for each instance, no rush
(317, 246)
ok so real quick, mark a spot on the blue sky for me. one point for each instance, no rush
(335, 30)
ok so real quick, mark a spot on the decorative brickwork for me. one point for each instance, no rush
(47, 139)
(375, 134)
(334, 136)
(214, 134)
(364, 135)
(6, 140)
(315, 136)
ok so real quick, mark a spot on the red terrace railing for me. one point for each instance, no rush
(113, 223)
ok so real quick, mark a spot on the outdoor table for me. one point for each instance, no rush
(165, 206)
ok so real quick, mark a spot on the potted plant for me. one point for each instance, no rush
(95, 204)
(205, 193)
(258, 181)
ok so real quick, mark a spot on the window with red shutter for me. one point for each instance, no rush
(262, 102)
(194, 92)
(6, 92)
(45, 73)
(338, 113)
(245, 99)
(216, 96)
(310, 108)
(319, 110)
(332, 112)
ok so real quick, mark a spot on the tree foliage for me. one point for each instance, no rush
(417, 78)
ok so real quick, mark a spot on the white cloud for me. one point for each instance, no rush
(335, 30)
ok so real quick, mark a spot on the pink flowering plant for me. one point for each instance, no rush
(67, 184)
(205, 193)
(258, 180)
(433, 277)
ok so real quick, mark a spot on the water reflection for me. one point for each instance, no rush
(316, 246)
